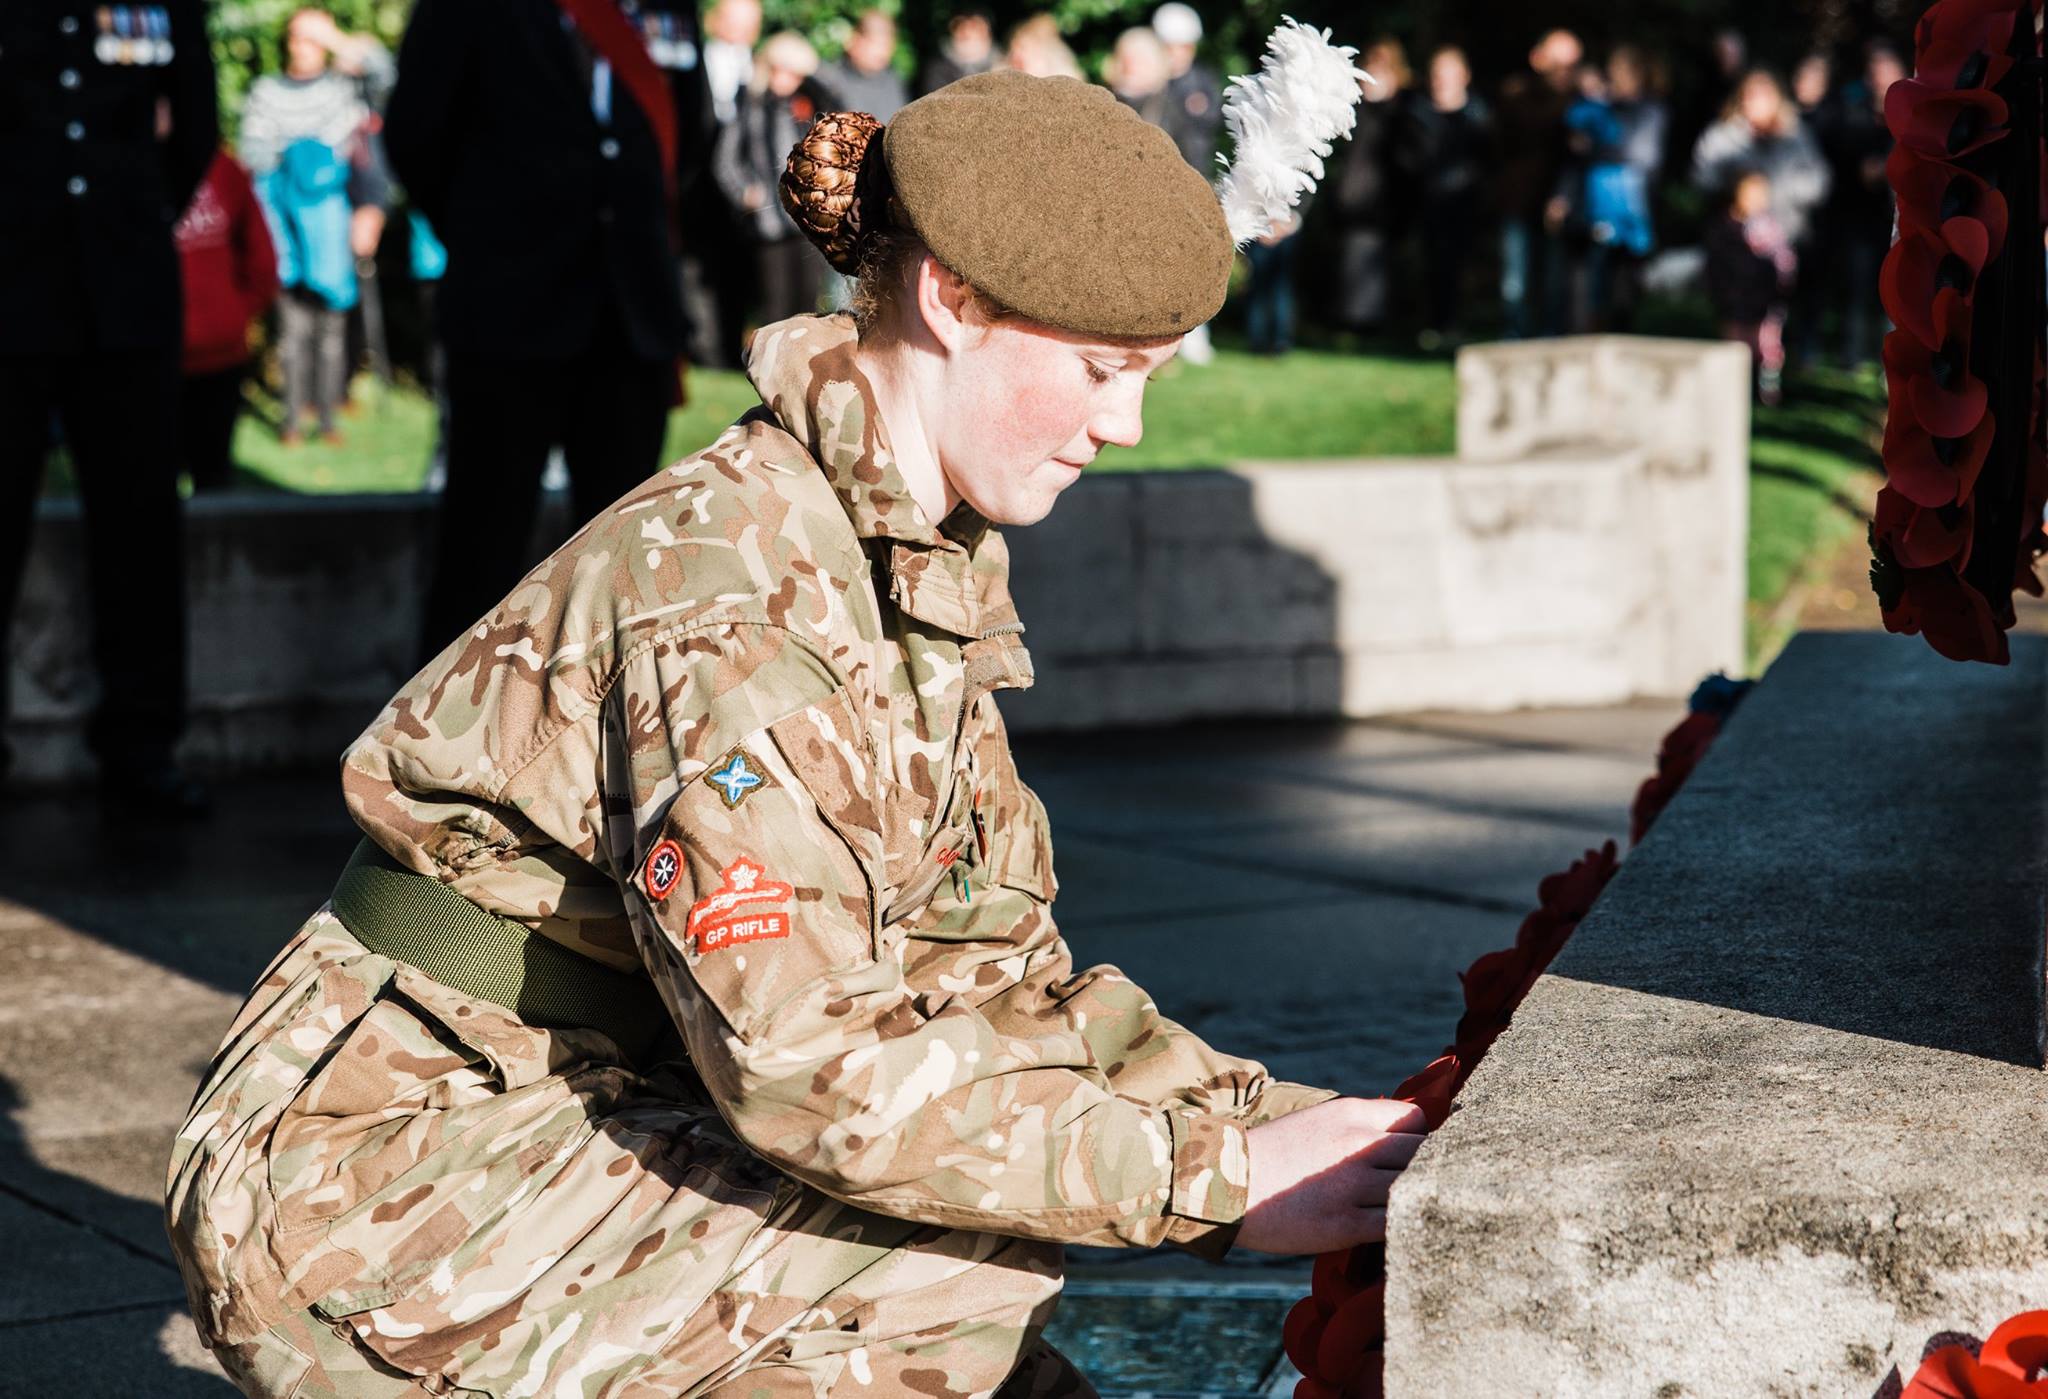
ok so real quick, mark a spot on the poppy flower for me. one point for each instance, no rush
(1962, 66)
(1679, 754)
(1930, 470)
(1943, 122)
(1936, 603)
(1353, 1330)
(1985, 24)
(1342, 1274)
(1934, 383)
(1494, 985)
(2019, 1347)
(1924, 263)
(1542, 936)
(1923, 537)
(1371, 1382)
(1302, 1332)
(1432, 1088)
(1930, 192)
(1953, 1373)
(1574, 890)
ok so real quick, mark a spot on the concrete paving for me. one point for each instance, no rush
(1303, 894)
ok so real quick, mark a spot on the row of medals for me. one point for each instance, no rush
(134, 35)
(668, 43)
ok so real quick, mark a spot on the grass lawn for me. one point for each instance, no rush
(1311, 404)
(1810, 490)
(1808, 487)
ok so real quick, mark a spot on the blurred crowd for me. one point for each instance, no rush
(1545, 202)
(1581, 170)
(578, 198)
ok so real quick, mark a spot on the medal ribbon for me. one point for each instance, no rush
(607, 30)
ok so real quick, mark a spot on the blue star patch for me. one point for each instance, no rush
(734, 780)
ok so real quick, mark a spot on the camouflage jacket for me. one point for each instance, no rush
(740, 732)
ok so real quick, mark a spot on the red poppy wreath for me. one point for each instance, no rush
(1958, 523)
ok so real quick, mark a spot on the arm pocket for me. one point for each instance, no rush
(763, 877)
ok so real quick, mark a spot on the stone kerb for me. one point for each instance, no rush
(1775, 1118)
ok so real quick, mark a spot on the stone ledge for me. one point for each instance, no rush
(1777, 1116)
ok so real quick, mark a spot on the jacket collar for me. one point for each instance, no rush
(954, 575)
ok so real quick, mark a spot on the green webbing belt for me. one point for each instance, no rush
(422, 922)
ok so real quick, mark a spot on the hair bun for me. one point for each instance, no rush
(823, 188)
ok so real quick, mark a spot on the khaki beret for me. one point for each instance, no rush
(1063, 204)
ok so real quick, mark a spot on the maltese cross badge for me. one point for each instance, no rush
(664, 868)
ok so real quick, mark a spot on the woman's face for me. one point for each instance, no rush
(1762, 104)
(1450, 81)
(1028, 407)
(1810, 81)
(1624, 78)
(305, 55)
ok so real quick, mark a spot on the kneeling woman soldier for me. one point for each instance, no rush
(692, 1019)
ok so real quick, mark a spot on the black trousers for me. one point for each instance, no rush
(791, 275)
(607, 409)
(116, 411)
(209, 405)
(1448, 226)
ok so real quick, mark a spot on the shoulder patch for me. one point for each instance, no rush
(736, 778)
(731, 913)
(664, 867)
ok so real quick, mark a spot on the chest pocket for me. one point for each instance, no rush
(992, 838)
(1018, 837)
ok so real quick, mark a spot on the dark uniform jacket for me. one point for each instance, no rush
(555, 223)
(88, 193)
(1196, 117)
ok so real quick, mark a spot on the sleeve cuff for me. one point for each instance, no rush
(1281, 1099)
(1211, 1182)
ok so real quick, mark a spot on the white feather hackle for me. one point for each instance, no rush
(1283, 120)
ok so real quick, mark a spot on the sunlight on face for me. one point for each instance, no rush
(1028, 407)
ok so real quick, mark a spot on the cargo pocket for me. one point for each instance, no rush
(505, 1208)
(268, 1366)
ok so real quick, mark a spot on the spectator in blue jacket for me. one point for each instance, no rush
(305, 140)
(1615, 133)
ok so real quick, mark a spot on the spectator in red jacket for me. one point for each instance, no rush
(230, 275)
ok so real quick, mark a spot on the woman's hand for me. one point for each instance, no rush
(1320, 1176)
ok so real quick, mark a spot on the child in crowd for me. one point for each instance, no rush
(229, 269)
(1750, 272)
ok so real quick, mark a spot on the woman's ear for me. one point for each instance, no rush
(941, 297)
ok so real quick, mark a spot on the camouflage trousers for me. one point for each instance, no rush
(943, 1315)
(386, 1188)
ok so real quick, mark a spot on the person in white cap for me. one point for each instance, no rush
(1197, 98)
(1192, 108)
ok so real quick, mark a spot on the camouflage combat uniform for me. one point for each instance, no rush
(738, 733)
